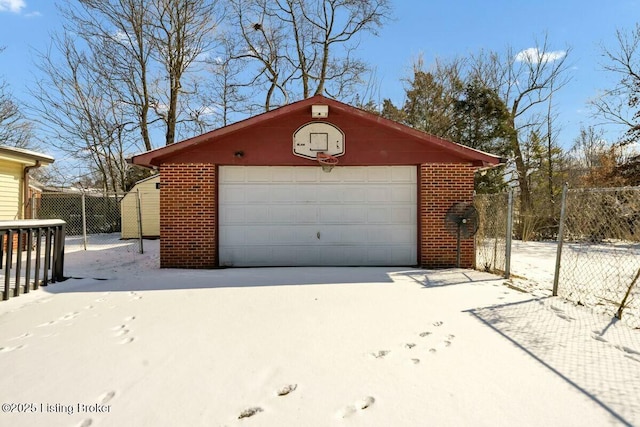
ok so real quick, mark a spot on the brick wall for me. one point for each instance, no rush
(442, 185)
(188, 216)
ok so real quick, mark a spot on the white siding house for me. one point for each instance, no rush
(15, 164)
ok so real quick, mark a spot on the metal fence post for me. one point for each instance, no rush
(509, 231)
(84, 221)
(139, 209)
(34, 212)
(563, 212)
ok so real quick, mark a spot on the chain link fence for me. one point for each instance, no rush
(590, 256)
(96, 221)
(491, 237)
(600, 257)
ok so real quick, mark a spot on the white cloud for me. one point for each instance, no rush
(33, 14)
(534, 56)
(12, 5)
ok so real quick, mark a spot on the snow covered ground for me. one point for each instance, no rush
(595, 275)
(124, 343)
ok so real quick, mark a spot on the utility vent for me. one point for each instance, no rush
(319, 111)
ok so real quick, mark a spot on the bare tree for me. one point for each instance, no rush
(526, 81)
(116, 33)
(261, 38)
(78, 116)
(306, 47)
(224, 95)
(15, 130)
(181, 32)
(620, 105)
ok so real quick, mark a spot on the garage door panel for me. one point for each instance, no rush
(402, 194)
(309, 174)
(403, 175)
(353, 194)
(258, 174)
(354, 235)
(379, 215)
(330, 177)
(241, 195)
(403, 215)
(282, 216)
(233, 215)
(354, 174)
(305, 194)
(256, 215)
(281, 194)
(378, 195)
(306, 215)
(378, 174)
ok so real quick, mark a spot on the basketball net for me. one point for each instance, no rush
(327, 161)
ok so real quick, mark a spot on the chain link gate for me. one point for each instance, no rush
(598, 263)
(493, 235)
(93, 220)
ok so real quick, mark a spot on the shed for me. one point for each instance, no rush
(147, 190)
(255, 194)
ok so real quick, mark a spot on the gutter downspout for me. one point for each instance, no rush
(25, 190)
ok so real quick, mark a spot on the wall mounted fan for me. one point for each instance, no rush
(462, 220)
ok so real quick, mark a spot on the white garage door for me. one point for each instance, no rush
(302, 216)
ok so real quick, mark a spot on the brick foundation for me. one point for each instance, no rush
(188, 216)
(442, 185)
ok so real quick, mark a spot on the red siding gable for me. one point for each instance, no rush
(267, 139)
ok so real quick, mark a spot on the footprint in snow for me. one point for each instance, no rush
(424, 334)
(564, 317)
(438, 323)
(86, 422)
(287, 389)
(135, 295)
(409, 345)
(127, 340)
(49, 323)
(122, 332)
(9, 349)
(360, 405)
(365, 403)
(380, 354)
(249, 412)
(25, 335)
(628, 350)
(106, 397)
(598, 337)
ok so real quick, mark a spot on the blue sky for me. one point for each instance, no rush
(435, 28)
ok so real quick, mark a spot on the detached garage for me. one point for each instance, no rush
(314, 183)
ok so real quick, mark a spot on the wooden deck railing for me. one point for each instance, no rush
(31, 254)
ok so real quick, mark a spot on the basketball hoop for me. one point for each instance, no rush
(327, 161)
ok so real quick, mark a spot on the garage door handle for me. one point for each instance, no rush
(318, 235)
